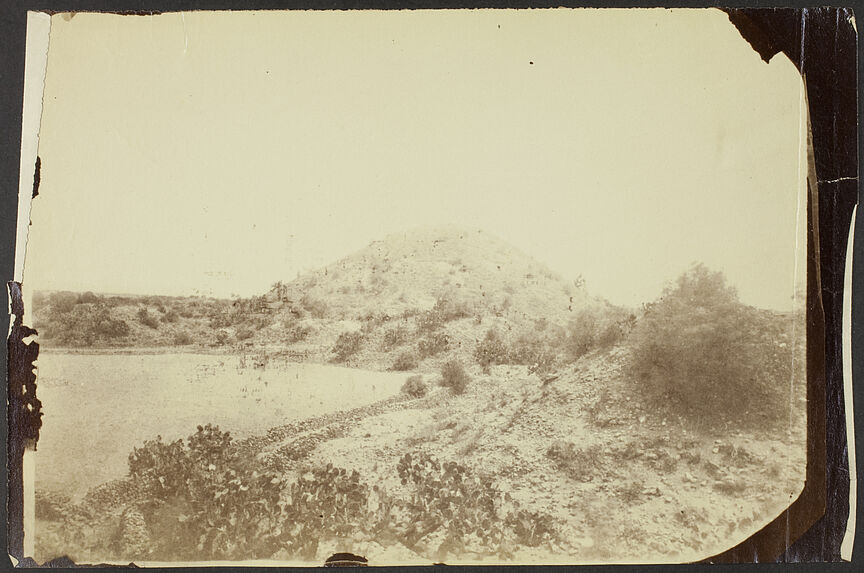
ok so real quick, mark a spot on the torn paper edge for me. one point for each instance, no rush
(35, 67)
(37, 42)
(849, 536)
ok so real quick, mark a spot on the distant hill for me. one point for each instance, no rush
(412, 270)
(407, 301)
(431, 293)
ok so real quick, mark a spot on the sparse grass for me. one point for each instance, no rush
(737, 456)
(581, 464)
(631, 492)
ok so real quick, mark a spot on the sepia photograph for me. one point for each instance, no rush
(414, 287)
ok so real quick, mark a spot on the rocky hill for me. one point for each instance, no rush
(416, 295)
(412, 270)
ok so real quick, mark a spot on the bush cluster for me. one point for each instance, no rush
(491, 350)
(208, 500)
(244, 332)
(396, 336)
(414, 386)
(68, 321)
(316, 307)
(147, 319)
(449, 497)
(182, 339)
(700, 352)
(454, 376)
(594, 328)
(433, 344)
(447, 308)
(327, 502)
(405, 361)
(299, 333)
(347, 345)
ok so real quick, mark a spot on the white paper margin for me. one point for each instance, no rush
(849, 536)
(35, 66)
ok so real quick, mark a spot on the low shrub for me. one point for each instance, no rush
(538, 349)
(63, 302)
(220, 319)
(87, 298)
(414, 386)
(447, 307)
(454, 376)
(299, 333)
(582, 333)
(394, 337)
(182, 339)
(244, 332)
(405, 361)
(610, 335)
(316, 307)
(104, 326)
(347, 344)
(433, 344)
(147, 319)
(410, 312)
(491, 350)
(186, 312)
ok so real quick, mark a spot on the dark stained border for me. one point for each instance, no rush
(822, 44)
(824, 48)
(24, 413)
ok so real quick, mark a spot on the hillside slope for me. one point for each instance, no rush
(423, 294)
(412, 270)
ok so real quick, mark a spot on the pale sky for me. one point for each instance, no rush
(220, 152)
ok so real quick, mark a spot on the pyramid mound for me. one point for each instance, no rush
(411, 270)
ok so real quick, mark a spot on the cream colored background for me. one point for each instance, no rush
(220, 152)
